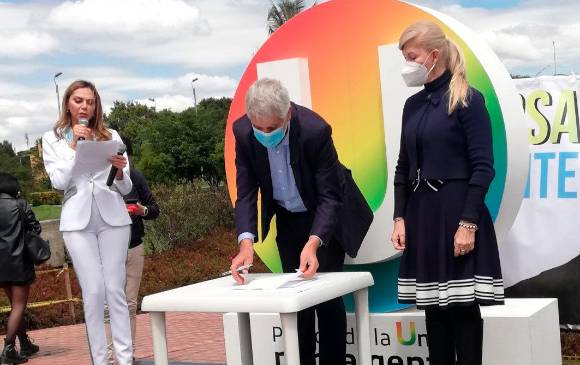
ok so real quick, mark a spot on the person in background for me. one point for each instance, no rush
(94, 219)
(286, 152)
(141, 205)
(16, 268)
(450, 263)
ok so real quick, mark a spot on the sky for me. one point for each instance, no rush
(137, 50)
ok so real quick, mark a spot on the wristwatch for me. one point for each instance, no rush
(145, 211)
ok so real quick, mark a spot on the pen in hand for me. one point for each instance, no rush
(239, 269)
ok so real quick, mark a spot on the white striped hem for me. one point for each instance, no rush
(453, 291)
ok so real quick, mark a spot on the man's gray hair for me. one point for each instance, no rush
(267, 98)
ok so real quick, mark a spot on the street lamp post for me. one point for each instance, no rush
(555, 69)
(194, 97)
(57, 95)
(154, 103)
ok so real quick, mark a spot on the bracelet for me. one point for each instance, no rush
(472, 227)
(397, 219)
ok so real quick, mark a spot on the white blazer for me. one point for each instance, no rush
(82, 190)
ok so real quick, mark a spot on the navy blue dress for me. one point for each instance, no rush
(444, 170)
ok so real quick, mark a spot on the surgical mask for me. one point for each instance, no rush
(415, 74)
(272, 139)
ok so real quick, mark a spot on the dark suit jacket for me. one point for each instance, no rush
(445, 147)
(140, 192)
(456, 146)
(325, 185)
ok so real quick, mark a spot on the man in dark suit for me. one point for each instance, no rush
(286, 152)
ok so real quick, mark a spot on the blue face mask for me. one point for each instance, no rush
(272, 139)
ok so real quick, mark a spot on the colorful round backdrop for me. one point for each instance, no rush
(353, 70)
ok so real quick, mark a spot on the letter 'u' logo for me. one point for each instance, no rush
(350, 75)
(412, 334)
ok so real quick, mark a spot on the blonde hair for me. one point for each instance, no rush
(96, 123)
(430, 36)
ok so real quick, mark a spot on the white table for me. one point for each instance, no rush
(219, 295)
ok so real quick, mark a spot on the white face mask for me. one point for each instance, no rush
(415, 74)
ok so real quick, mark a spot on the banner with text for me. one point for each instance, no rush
(540, 255)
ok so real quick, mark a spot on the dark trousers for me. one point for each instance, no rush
(454, 331)
(293, 231)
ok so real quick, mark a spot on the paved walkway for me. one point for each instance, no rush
(193, 338)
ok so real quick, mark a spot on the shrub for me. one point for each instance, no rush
(189, 210)
(45, 198)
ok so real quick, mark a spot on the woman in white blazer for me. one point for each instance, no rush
(94, 219)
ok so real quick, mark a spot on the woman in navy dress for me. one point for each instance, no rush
(450, 263)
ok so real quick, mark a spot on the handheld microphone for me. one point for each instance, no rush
(120, 151)
(83, 122)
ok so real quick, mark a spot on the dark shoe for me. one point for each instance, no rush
(11, 356)
(27, 347)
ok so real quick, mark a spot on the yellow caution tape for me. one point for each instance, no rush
(43, 304)
(59, 270)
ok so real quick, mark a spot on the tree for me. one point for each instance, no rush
(170, 146)
(15, 165)
(201, 144)
(7, 149)
(122, 113)
(157, 167)
(281, 12)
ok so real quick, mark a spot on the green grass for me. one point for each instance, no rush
(46, 212)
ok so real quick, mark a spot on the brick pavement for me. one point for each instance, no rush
(192, 338)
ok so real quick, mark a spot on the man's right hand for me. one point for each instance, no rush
(244, 257)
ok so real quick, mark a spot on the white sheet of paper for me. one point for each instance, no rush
(284, 281)
(93, 156)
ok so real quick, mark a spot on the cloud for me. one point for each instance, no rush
(522, 35)
(139, 49)
(172, 102)
(23, 110)
(16, 122)
(108, 17)
(208, 85)
(19, 107)
(207, 35)
(514, 49)
(13, 17)
(20, 34)
(202, 35)
(18, 69)
(173, 94)
(24, 45)
(123, 83)
(33, 110)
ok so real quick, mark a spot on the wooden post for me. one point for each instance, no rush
(69, 291)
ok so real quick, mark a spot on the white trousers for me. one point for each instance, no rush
(135, 263)
(99, 253)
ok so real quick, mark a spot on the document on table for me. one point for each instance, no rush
(283, 281)
(93, 156)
